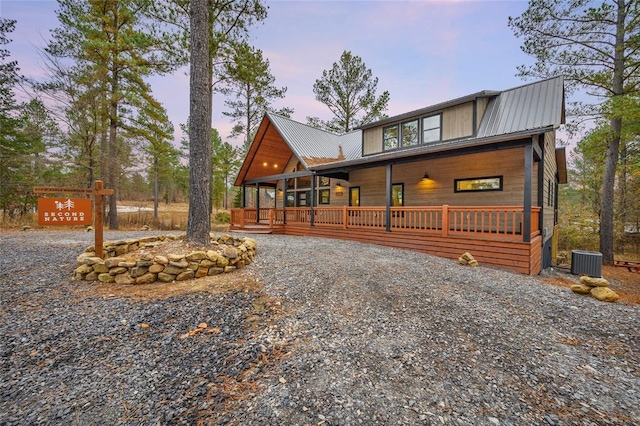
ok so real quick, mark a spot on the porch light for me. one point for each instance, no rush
(426, 175)
(338, 185)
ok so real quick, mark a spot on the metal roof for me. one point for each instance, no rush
(510, 114)
(532, 106)
(315, 146)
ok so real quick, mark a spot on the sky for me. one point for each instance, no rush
(422, 52)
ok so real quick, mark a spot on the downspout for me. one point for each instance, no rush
(528, 170)
(387, 218)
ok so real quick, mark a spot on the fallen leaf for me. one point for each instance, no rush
(202, 325)
(144, 325)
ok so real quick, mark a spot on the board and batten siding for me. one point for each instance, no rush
(457, 122)
(439, 188)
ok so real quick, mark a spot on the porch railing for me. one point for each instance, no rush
(486, 221)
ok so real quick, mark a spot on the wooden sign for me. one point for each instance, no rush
(64, 211)
(60, 211)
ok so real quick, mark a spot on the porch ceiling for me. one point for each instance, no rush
(269, 155)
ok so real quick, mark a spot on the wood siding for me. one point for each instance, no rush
(457, 122)
(372, 141)
(439, 188)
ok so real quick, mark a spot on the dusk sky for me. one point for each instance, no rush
(423, 52)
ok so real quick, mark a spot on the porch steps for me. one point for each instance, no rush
(252, 229)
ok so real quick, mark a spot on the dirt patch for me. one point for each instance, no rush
(623, 282)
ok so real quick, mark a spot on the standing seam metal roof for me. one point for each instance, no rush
(533, 106)
(315, 146)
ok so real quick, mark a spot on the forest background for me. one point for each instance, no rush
(91, 111)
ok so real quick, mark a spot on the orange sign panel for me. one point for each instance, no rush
(64, 211)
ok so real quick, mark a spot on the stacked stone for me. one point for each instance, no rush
(467, 259)
(229, 254)
(596, 287)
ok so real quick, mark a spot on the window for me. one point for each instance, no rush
(410, 133)
(431, 129)
(390, 138)
(323, 196)
(323, 181)
(407, 134)
(397, 193)
(354, 196)
(493, 183)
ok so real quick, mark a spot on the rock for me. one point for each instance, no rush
(100, 267)
(186, 275)
(91, 276)
(106, 278)
(155, 268)
(146, 257)
(207, 263)
(229, 268)
(182, 263)
(195, 256)
(127, 264)
(175, 257)
(113, 261)
(467, 256)
(580, 288)
(230, 252)
(594, 282)
(604, 294)
(118, 270)
(222, 262)
(84, 269)
(161, 260)
(147, 278)
(166, 278)
(91, 260)
(213, 255)
(138, 271)
(173, 270)
(202, 271)
(215, 271)
(125, 279)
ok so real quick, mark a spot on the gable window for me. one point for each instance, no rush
(431, 128)
(493, 183)
(390, 137)
(410, 133)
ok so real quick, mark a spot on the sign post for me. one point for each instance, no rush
(74, 211)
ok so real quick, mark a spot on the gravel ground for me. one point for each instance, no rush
(342, 333)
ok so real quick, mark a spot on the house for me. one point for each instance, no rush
(478, 173)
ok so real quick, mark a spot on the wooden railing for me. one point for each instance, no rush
(486, 221)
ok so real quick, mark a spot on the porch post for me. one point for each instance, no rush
(257, 203)
(541, 182)
(244, 196)
(312, 199)
(387, 219)
(284, 201)
(528, 171)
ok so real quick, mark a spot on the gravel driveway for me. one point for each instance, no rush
(342, 333)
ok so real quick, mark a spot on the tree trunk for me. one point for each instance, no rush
(613, 149)
(199, 225)
(112, 165)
